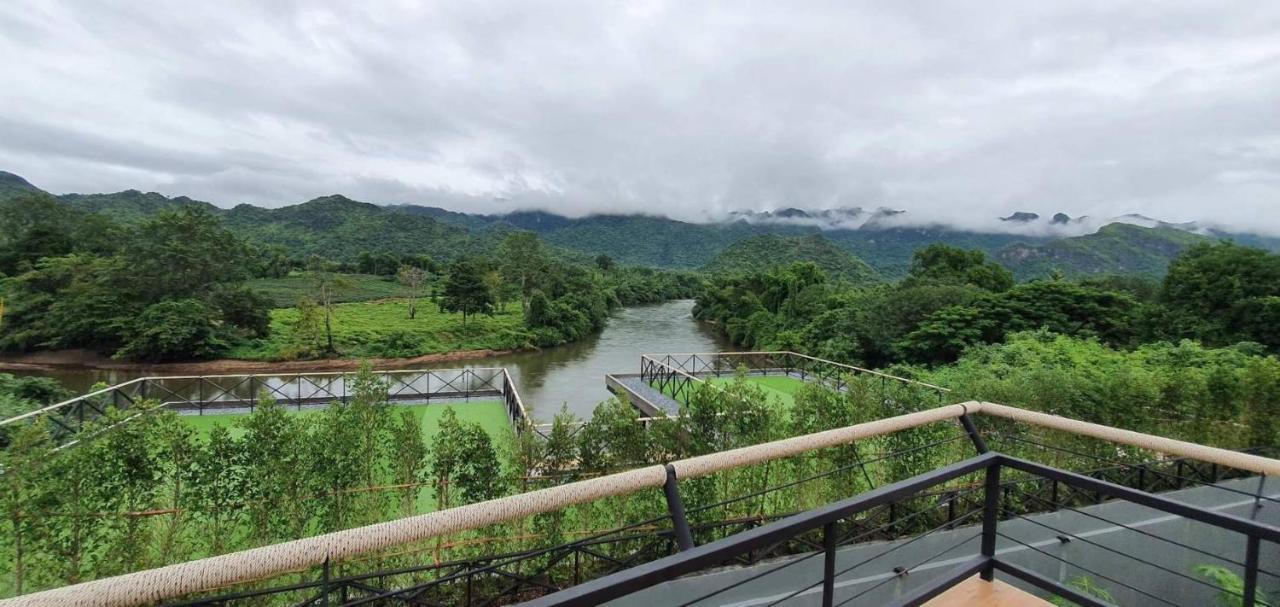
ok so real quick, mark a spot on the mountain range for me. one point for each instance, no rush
(340, 228)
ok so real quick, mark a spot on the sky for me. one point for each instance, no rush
(958, 112)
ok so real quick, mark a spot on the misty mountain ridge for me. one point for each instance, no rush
(885, 239)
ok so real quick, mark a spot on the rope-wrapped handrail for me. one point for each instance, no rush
(180, 579)
(1159, 444)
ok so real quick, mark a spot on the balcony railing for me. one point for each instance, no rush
(987, 489)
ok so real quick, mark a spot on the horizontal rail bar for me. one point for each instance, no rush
(1195, 513)
(1215, 455)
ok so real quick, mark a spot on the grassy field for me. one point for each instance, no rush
(779, 388)
(382, 329)
(287, 291)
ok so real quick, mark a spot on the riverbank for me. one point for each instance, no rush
(85, 360)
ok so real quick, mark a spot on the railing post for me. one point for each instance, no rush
(325, 588)
(990, 518)
(675, 506)
(1251, 571)
(972, 431)
(829, 564)
(1257, 501)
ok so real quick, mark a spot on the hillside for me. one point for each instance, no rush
(1115, 249)
(12, 185)
(771, 251)
(339, 228)
(131, 206)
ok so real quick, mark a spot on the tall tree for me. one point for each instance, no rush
(465, 290)
(523, 260)
(412, 278)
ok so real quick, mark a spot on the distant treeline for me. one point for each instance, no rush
(952, 299)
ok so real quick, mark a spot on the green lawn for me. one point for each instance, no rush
(362, 329)
(778, 387)
(287, 291)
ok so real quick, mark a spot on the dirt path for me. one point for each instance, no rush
(68, 360)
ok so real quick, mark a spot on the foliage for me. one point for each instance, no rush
(175, 330)
(1088, 587)
(464, 464)
(1113, 249)
(286, 291)
(1224, 293)
(97, 300)
(946, 264)
(767, 252)
(1232, 587)
(465, 290)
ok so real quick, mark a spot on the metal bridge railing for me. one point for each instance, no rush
(677, 375)
(203, 393)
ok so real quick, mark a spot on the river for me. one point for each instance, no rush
(571, 375)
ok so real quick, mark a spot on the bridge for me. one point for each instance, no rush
(666, 381)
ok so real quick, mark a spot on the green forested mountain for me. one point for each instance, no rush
(769, 251)
(131, 206)
(11, 185)
(340, 229)
(1115, 249)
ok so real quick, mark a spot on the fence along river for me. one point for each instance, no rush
(571, 375)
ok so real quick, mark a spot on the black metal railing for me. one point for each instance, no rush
(223, 393)
(985, 561)
(678, 375)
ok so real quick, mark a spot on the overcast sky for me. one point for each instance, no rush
(960, 111)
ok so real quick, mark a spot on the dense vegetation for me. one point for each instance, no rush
(171, 287)
(177, 281)
(769, 252)
(951, 300)
(1115, 249)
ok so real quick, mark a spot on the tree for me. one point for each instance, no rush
(325, 284)
(1221, 293)
(952, 265)
(175, 330)
(494, 282)
(604, 262)
(523, 261)
(306, 334)
(408, 459)
(463, 463)
(183, 252)
(412, 278)
(465, 290)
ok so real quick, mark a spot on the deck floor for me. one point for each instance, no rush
(974, 591)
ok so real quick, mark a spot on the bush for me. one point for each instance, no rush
(175, 330)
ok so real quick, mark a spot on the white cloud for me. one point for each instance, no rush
(956, 111)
